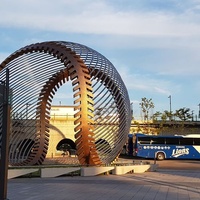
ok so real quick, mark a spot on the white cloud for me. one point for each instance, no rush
(147, 83)
(95, 18)
(63, 97)
(167, 38)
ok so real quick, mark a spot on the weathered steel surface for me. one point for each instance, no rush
(101, 101)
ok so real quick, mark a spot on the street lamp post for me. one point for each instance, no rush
(170, 106)
(27, 106)
(192, 115)
(131, 110)
(199, 110)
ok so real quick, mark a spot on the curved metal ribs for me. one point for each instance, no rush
(101, 101)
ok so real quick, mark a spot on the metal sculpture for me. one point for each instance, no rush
(101, 101)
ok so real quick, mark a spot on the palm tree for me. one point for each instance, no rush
(183, 114)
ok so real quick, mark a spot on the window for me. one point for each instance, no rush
(158, 140)
(144, 140)
(196, 141)
(186, 141)
(174, 141)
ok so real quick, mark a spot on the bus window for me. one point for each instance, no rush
(196, 141)
(158, 141)
(144, 140)
(186, 141)
(173, 140)
(130, 145)
(172, 147)
(134, 139)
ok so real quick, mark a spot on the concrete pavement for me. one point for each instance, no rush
(159, 185)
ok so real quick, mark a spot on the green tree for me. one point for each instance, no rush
(183, 114)
(146, 105)
(167, 115)
(156, 116)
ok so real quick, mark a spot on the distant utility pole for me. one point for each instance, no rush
(199, 110)
(192, 115)
(170, 106)
(131, 110)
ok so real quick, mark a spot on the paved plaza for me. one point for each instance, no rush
(159, 185)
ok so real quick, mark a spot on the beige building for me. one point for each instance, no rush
(61, 130)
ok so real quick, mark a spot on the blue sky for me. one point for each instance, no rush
(153, 44)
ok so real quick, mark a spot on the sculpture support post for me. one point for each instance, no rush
(5, 139)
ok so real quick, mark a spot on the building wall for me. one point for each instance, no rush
(61, 127)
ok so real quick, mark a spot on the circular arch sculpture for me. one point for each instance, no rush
(101, 101)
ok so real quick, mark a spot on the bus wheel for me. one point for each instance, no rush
(160, 156)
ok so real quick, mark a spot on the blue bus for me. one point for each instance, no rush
(164, 147)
